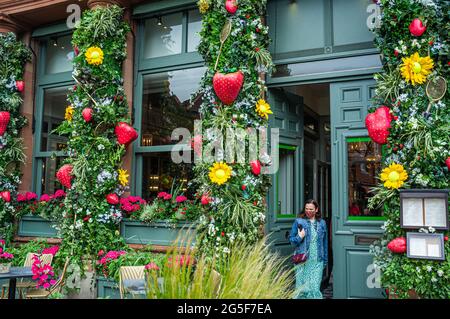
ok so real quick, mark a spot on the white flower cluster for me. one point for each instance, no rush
(114, 215)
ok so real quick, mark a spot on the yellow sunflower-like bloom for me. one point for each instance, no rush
(123, 177)
(69, 113)
(415, 68)
(263, 109)
(219, 173)
(94, 55)
(394, 176)
(203, 6)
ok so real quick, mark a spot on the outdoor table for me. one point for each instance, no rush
(12, 275)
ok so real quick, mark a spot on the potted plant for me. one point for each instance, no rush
(5, 258)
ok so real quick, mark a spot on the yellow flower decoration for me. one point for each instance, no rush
(203, 6)
(69, 113)
(263, 109)
(123, 177)
(219, 173)
(415, 69)
(394, 176)
(94, 55)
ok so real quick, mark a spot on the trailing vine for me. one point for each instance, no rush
(14, 55)
(413, 41)
(97, 124)
(234, 47)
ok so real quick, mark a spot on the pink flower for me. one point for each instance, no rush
(168, 197)
(52, 250)
(181, 199)
(59, 193)
(1, 250)
(45, 198)
(31, 196)
(2, 242)
(101, 253)
(21, 198)
(152, 266)
(162, 194)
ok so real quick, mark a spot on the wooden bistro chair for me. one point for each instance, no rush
(44, 293)
(130, 276)
(22, 285)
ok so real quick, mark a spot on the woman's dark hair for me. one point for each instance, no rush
(311, 201)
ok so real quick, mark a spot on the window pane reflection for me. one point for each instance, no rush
(364, 165)
(55, 104)
(194, 27)
(49, 168)
(59, 55)
(286, 182)
(163, 35)
(166, 104)
(161, 174)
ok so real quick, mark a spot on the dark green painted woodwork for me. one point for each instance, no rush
(107, 288)
(349, 107)
(157, 233)
(35, 226)
(288, 117)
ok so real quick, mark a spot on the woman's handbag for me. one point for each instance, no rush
(298, 259)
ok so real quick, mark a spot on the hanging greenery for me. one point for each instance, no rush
(413, 40)
(14, 55)
(99, 131)
(234, 47)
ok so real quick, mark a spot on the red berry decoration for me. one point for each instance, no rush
(87, 114)
(244, 187)
(447, 162)
(4, 121)
(378, 124)
(397, 245)
(6, 196)
(256, 167)
(20, 85)
(231, 6)
(228, 86)
(417, 28)
(76, 50)
(64, 175)
(205, 200)
(112, 199)
(125, 133)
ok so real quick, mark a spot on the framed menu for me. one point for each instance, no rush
(421, 208)
(425, 246)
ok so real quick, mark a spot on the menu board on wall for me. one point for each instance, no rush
(425, 246)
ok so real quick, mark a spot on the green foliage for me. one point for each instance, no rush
(14, 55)
(418, 141)
(34, 246)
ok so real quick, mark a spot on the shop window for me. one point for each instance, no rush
(309, 157)
(364, 166)
(161, 174)
(166, 104)
(285, 182)
(163, 35)
(49, 183)
(194, 28)
(58, 54)
(55, 104)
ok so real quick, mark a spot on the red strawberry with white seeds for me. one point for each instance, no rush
(231, 6)
(64, 175)
(417, 28)
(6, 196)
(228, 86)
(378, 124)
(447, 162)
(4, 121)
(112, 199)
(256, 167)
(125, 133)
(87, 114)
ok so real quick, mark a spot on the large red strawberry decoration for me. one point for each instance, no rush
(417, 28)
(112, 199)
(4, 121)
(20, 85)
(125, 133)
(87, 114)
(256, 167)
(6, 196)
(205, 200)
(231, 6)
(447, 162)
(64, 175)
(378, 124)
(397, 245)
(228, 86)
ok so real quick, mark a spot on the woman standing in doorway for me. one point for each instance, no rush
(309, 236)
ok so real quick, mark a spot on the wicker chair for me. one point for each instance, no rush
(129, 273)
(46, 259)
(43, 293)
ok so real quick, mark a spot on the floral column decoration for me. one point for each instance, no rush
(99, 131)
(14, 55)
(234, 46)
(412, 121)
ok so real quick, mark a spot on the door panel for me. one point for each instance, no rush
(349, 105)
(288, 117)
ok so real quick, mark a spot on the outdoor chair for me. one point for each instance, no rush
(44, 293)
(132, 280)
(46, 259)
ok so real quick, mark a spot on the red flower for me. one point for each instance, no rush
(45, 198)
(181, 199)
(222, 234)
(395, 52)
(167, 197)
(100, 252)
(21, 198)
